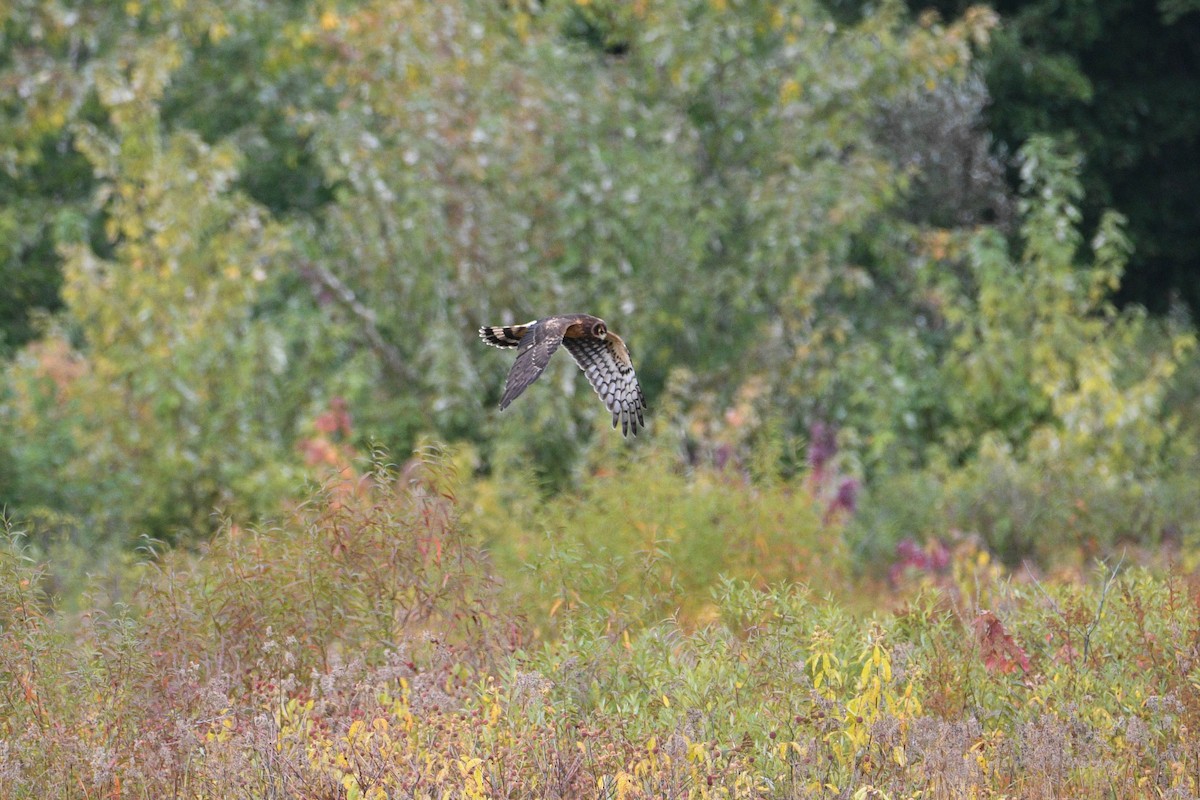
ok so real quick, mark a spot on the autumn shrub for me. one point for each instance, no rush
(641, 521)
(368, 561)
(789, 695)
(373, 573)
(79, 704)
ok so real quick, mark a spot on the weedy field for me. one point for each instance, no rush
(659, 633)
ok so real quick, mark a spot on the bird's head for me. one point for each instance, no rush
(599, 329)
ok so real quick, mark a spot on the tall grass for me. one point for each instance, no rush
(660, 634)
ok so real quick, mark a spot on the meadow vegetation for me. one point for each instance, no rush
(383, 639)
(916, 514)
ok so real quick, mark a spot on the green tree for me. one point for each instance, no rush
(227, 84)
(44, 183)
(1120, 78)
(677, 172)
(180, 406)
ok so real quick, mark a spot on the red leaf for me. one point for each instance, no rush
(1000, 652)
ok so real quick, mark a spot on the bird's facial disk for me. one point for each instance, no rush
(599, 330)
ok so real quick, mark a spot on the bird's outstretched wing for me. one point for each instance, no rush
(609, 369)
(534, 349)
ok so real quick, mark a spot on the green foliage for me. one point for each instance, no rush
(44, 183)
(437, 167)
(51, 56)
(1063, 69)
(1036, 397)
(970, 338)
(725, 182)
(161, 413)
(679, 533)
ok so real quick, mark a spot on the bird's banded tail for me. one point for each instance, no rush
(503, 335)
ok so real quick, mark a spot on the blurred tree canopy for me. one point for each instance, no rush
(261, 217)
(1120, 79)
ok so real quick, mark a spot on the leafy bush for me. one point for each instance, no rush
(1043, 416)
(640, 522)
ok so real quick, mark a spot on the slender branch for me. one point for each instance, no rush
(1087, 637)
(321, 279)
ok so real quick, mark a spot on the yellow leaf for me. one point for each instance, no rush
(624, 785)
